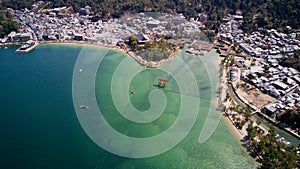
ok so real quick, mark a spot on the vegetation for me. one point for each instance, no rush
(291, 61)
(271, 152)
(274, 154)
(133, 42)
(267, 13)
(290, 118)
(246, 112)
(7, 24)
(153, 50)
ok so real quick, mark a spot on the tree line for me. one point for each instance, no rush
(269, 13)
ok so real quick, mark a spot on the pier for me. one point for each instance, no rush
(27, 47)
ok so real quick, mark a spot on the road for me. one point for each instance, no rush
(234, 97)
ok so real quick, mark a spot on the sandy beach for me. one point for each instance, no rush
(237, 133)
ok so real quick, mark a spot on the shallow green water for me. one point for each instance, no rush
(39, 127)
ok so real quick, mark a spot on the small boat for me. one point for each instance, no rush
(132, 92)
(5, 47)
(84, 107)
(80, 70)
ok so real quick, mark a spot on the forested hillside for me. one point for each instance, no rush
(7, 24)
(269, 13)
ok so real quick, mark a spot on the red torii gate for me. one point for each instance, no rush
(160, 80)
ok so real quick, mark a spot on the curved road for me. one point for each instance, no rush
(234, 97)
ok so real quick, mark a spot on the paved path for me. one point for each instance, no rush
(234, 97)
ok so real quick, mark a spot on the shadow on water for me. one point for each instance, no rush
(161, 87)
(178, 92)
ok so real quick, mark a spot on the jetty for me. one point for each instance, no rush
(27, 47)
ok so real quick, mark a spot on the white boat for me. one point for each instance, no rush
(84, 107)
(132, 92)
(5, 47)
(80, 70)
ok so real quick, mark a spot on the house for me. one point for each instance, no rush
(142, 38)
(10, 37)
(52, 14)
(238, 17)
(257, 52)
(275, 93)
(256, 69)
(273, 62)
(244, 74)
(85, 11)
(297, 79)
(280, 85)
(22, 37)
(78, 37)
(293, 71)
(153, 23)
(271, 109)
(264, 79)
(246, 48)
(290, 81)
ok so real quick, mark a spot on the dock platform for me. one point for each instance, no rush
(27, 48)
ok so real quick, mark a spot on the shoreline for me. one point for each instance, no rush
(138, 59)
(230, 124)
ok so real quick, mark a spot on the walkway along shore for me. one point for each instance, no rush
(222, 97)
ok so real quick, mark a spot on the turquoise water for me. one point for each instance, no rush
(39, 127)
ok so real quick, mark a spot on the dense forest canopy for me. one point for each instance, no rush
(7, 24)
(269, 13)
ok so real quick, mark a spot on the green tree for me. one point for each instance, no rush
(133, 42)
(7, 24)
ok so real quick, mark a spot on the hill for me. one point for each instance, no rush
(257, 13)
